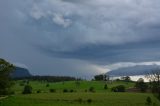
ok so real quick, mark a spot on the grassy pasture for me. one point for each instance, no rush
(101, 97)
(84, 85)
(79, 99)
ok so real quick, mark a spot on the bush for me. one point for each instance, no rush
(71, 90)
(65, 90)
(140, 84)
(105, 86)
(148, 101)
(89, 100)
(85, 90)
(91, 89)
(12, 92)
(80, 100)
(52, 90)
(27, 89)
(119, 88)
(47, 85)
(21, 84)
(39, 91)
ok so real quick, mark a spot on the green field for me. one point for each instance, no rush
(81, 87)
(79, 97)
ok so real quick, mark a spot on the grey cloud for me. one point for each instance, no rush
(49, 34)
(103, 22)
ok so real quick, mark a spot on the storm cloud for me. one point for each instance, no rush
(79, 37)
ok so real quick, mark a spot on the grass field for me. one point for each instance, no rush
(100, 97)
(81, 87)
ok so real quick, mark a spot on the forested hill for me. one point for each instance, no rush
(20, 72)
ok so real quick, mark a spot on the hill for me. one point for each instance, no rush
(20, 72)
(132, 71)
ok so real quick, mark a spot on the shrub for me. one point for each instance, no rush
(85, 90)
(47, 85)
(65, 90)
(105, 86)
(80, 100)
(21, 84)
(117, 79)
(89, 100)
(148, 101)
(27, 89)
(12, 92)
(91, 89)
(119, 88)
(52, 90)
(71, 90)
(39, 91)
(140, 84)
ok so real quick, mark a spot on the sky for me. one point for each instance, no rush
(79, 37)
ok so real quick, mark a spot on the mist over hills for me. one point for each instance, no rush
(132, 71)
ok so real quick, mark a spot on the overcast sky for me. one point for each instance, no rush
(79, 37)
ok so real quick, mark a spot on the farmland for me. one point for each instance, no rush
(80, 96)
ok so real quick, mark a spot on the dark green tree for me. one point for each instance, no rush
(119, 88)
(140, 84)
(5, 72)
(98, 77)
(148, 100)
(27, 89)
(126, 78)
(101, 77)
(105, 86)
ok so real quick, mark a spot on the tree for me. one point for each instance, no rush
(140, 84)
(105, 86)
(119, 88)
(148, 100)
(126, 78)
(98, 77)
(154, 77)
(27, 89)
(101, 77)
(5, 81)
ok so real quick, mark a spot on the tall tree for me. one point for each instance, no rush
(154, 77)
(5, 82)
(126, 78)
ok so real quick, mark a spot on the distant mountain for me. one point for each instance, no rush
(20, 72)
(131, 71)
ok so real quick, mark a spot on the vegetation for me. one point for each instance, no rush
(101, 77)
(119, 88)
(126, 78)
(140, 84)
(80, 99)
(102, 97)
(27, 89)
(5, 81)
(105, 86)
(73, 92)
(48, 78)
(65, 90)
(154, 77)
(91, 89)
(52, 90)
(148, 101)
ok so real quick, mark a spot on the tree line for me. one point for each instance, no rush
(48, 78)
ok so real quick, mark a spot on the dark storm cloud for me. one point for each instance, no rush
(82, 36)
